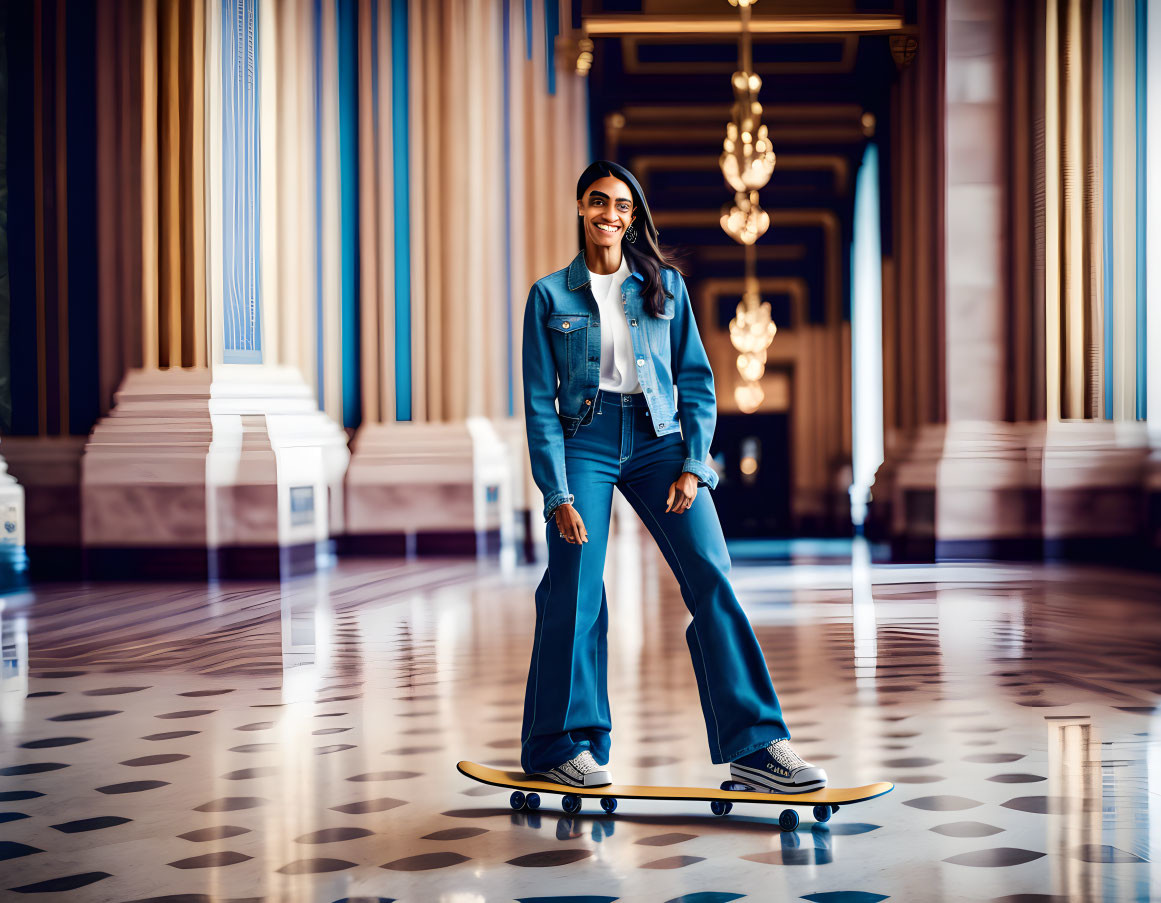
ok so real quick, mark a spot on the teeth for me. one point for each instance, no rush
(606, 228)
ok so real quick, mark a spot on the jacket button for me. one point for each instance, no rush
(661, 424)
(640, 362)
(587, 401)
(565, 324)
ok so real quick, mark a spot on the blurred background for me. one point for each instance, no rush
(263, 265)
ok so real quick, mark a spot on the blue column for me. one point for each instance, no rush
(349, 209)
(242, 302)
(400, 130)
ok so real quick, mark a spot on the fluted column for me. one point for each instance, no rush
(985, 481)
(902, 509)
(214, 460)
(49, 378)
(1045, 445)
(1094, 447)
(468, 186)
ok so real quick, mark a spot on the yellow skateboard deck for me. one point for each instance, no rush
(825, 801)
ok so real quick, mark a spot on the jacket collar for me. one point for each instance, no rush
(578, 272)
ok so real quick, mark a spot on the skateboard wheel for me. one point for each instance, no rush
(788, 820)
(721, 807)
(822, 813)
(571, 803)
(517, 799)
(609, 804)
(532, 801)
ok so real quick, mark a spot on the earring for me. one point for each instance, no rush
(631, 234)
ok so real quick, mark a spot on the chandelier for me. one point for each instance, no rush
(747, 162)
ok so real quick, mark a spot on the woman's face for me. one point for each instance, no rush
(607, 208)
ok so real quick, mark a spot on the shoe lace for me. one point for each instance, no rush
(785, 756)
(585, 763)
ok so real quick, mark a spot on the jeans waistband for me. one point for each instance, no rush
(630, 399)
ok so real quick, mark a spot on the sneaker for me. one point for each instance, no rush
(779, 769)
(580, 771)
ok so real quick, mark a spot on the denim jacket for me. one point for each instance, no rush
(562, 369)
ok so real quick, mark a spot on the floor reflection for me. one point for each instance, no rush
(297, 742)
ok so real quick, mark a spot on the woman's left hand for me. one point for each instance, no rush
(681, 493)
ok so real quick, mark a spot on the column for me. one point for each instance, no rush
(984, 481)
(903, 505)
(1094, 446)
(50, 348)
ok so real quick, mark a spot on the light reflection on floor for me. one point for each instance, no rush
(298, 742)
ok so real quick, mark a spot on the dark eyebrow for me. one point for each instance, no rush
(601, 194)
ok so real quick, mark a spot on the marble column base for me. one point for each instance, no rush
(193, 478)
(526, 498)
(988, 491)
(903, 509)
(49, 470)
(1094, 491)
(978, 490)
(13, 554)
(428, 489)
(1153, 503)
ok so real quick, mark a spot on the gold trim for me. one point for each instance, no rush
(633, 65)
(197, 226)
(716, 112)
(836, 134)
(639, 24)
(735, 253)
(150, 237)
(643, 164)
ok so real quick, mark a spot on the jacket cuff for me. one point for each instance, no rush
(706, 475)
(554, 501)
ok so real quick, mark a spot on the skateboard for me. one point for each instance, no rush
(526, 794)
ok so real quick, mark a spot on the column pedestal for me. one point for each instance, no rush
(528, 525)
(143, 479)
(1153, 505)
(988, 494)
(428, 489)
(912, 494)
(193, 478)
(13, 555)
(49, 470)
(1095, 492)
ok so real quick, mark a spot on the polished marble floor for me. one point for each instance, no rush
(298, 742)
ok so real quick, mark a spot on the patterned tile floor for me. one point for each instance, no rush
(298, 742)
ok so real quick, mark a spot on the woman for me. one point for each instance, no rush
(615, 328)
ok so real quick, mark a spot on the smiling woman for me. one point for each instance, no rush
(614, 218)
(599, 381)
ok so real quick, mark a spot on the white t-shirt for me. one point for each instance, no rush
(618, 366)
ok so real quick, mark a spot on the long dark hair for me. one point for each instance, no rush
(646, 255)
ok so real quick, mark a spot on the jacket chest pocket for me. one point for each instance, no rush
(657, 328)
(569, 334)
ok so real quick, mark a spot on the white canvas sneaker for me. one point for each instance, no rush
(580, 771)
(779, 769)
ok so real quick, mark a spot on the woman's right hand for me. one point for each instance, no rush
(570, 525)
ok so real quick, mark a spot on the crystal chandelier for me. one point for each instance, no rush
(747, 162)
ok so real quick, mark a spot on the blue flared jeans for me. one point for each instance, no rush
(566, 702)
